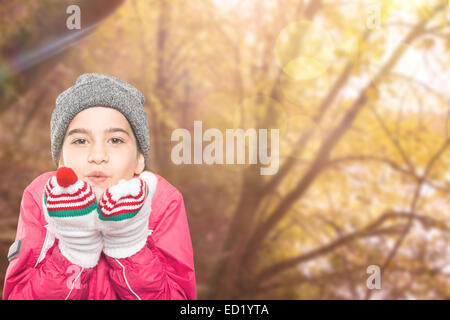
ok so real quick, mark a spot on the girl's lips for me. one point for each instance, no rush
(97, 180)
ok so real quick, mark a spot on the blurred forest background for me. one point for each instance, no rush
(358, 89)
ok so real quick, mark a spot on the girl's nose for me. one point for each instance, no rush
(98, 154)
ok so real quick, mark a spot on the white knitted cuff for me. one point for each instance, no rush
(83, 258)
(120, 252)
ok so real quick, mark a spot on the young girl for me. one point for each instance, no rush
(101, 226)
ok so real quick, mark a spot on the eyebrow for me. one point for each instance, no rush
(89, 132)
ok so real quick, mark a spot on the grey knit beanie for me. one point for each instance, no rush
(93, 89)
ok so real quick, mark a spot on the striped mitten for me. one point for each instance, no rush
(70, 208)
(124, 212)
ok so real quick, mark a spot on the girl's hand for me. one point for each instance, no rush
(124, 213)
(70, 208)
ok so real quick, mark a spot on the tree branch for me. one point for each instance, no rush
(391, 163)
(414, 202)
(372, 229)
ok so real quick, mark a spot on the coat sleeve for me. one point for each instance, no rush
(164, 268)
(39, 270)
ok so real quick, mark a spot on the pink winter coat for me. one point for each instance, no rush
(163, 269)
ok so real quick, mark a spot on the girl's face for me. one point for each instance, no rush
(101, 148)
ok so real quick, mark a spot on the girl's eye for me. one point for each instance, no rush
(80, 141)
(116, 140)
